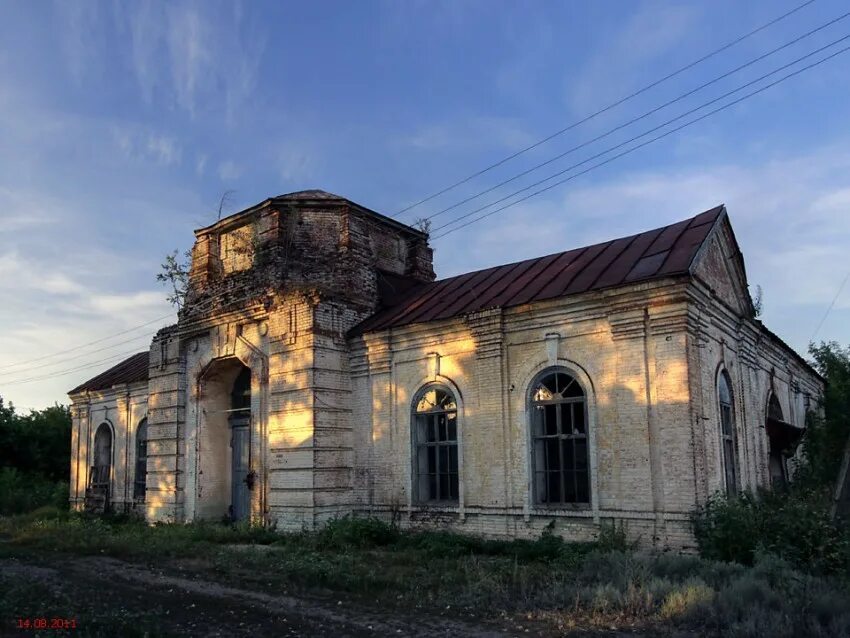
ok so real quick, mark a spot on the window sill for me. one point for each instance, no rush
(545, 508)
(436, 506)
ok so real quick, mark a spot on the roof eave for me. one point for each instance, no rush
(281, 200)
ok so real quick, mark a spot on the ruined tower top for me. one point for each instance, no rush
(312, 241)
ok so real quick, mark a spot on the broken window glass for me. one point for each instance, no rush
(435, 441)
(559, 440)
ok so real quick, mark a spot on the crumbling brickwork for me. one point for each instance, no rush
(275, 292)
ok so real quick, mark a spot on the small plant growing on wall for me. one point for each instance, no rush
(175, 273)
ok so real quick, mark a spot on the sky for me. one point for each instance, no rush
(123, 124)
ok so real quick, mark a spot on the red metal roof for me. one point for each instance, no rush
(128, 371)
(663, 252)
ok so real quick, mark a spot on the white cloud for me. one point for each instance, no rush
(164, 150)
(193, 53)
(654, 29)
(18, 213)
(145, 22)
(130, 304)
(14, 271)
(296, 165)
(200, 164)
(79, 23)
(190, 44)
(140, 143)
(479, 132)
(229, 171)
(791, 217)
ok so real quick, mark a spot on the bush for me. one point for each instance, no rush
(351, 532)
(21, 492)
(615, 538)
(795, 525)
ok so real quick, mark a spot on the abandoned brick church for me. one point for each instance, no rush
(317, 369)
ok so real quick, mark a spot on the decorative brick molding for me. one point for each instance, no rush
(629, 324)
(486, 328)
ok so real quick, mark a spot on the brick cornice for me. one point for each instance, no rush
(629, 324)
(487, 330)
(378, 352)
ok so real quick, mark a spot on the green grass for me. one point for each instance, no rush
(567, 584)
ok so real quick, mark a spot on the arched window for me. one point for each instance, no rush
(435, 445)
(727, 432)
(102, 456)
(559, 454)
(141, 461)
(776, 460)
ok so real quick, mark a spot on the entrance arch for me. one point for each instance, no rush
(101, 471)
(225, 478)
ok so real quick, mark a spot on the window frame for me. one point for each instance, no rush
(728, 440)
(140, 485)
(586, 436)
(416, 473)
(774, 411)
(96, 476)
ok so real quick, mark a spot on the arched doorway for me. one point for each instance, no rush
(239, 420)
(223, 476)
(101, 471)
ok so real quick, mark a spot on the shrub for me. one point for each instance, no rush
(690, 602)
(614, 537)
(726, 529)
(20, 492)
(548, 547)
(352, 532)
(795, 525)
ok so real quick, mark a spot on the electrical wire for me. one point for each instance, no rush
(831, 305)
(650, 141)
(62, 373)
(84, 345)
(641, 117)
(606, 108)
(644, 134)
(147, 335)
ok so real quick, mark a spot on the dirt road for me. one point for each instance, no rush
(106, 590)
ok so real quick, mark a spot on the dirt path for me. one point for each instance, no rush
(194, 607)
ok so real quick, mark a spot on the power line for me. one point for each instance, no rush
(63, 373)
(640, 117)
(650, 141)
(84, 345)
(828, 310)
(146, 335)
(605, 109)
(644, 134)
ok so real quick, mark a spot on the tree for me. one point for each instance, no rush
(38, 442)
(175, 272)
(423, 224)
(827, 433)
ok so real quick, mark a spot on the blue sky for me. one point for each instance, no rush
(121, 125)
